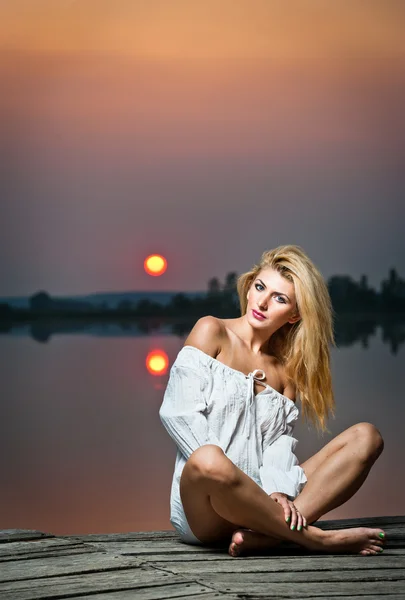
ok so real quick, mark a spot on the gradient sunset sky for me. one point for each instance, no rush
(207, 131)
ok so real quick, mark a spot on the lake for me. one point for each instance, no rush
(82, 449)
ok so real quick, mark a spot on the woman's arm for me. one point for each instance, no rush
(184, 404)
(280, 471)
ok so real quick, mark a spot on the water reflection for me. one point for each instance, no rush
(82, 448)
(157, 362)
(349, 329)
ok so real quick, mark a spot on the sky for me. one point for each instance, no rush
(208, 132)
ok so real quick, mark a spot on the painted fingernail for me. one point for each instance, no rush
(299, 528)
(292, 527)
(288, 519)
(381, 535)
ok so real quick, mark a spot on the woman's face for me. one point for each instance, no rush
(273, 296)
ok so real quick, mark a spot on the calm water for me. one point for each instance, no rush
(82, 448)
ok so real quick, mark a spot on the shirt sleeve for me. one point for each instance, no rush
(280, 471)
(184, 408)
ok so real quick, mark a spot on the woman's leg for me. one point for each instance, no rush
(334, 475)
(218, 497)
(337, 471)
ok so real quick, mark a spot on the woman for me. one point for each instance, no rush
(236, 476)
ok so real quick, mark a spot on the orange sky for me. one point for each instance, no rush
(174, 108)
(211, 30)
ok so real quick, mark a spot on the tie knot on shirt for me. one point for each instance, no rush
(259, 375)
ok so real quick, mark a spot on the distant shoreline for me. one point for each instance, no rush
(349, 299)
(27, 316)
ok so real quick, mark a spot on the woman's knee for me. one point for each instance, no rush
(210, 463)
(368, 441)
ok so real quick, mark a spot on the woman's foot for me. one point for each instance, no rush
(246, 542)
(359, 540)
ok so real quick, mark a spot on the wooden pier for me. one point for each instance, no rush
(156, 565)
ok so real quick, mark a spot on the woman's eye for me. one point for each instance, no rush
(259, 285)
(281, 298)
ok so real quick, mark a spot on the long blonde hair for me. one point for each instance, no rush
(303, 347)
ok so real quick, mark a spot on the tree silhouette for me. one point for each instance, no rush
(214, 287)
(41, 301)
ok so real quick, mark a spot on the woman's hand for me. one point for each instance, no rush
(292, 515)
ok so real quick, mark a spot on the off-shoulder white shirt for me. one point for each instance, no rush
(207, 402)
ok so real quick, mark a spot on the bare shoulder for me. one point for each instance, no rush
(208, 335)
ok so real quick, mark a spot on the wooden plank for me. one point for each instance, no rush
(161, 593)
(158, 565)
(15, 549)
(154, 550)
(135, 578)
(69, 551)
(64, 565)
(155, 547)
(127, 537)
(172, 556)
(358, 576)
(381, 522)
(280, 565)
(366, 597)
(172, 591)
(317, 589)
(11, 535)
(182, 562)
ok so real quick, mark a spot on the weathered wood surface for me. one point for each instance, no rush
(156, 565)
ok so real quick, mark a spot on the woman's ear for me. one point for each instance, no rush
(296, 317)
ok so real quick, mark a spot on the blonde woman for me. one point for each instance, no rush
(230, 408)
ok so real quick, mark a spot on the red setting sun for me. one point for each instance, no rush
(155, 264)
(157, 362)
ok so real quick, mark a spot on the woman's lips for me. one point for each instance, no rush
(258, 316)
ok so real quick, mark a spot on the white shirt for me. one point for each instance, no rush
(207, 402)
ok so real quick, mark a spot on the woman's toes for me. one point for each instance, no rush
(237, 538)
(235, 546)
(365, 552)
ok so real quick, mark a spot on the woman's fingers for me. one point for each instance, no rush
(297, 520)
(294, 517)
(300, 521)
(285, 504)
(287, 511)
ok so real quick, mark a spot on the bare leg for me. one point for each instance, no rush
(337, 471)
(334, 475)
(218, 497)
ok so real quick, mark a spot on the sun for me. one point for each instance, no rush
(155, 264)
(157, 362)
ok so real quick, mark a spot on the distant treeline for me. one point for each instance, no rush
(221, 300)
